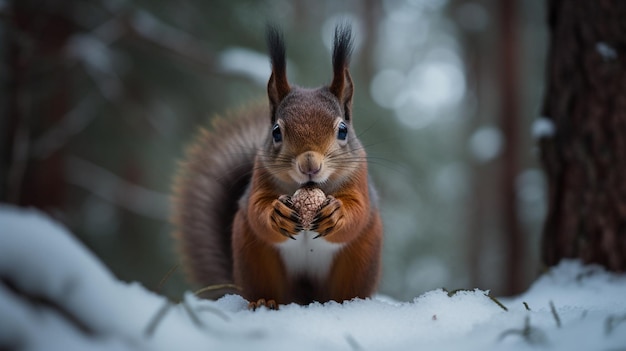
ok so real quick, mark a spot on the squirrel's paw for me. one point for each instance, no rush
(270, 304)
(284, 219)
(329, 217)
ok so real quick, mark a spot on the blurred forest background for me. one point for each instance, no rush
(100, 97)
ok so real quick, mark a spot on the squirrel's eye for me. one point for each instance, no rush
(342, 133)
(277, 134)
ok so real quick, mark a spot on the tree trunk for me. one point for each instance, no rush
(38, 101)
(509, 120)
(583, 139)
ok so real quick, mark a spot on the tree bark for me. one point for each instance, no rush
(583, 149)
(38, 100)
(509, 121)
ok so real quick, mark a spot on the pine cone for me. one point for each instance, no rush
(307, 201)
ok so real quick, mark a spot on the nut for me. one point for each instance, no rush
(307, 201)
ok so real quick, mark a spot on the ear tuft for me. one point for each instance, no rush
(341, 85)
(342, 47)
(278, 86)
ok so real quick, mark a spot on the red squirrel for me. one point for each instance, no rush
(234, 216)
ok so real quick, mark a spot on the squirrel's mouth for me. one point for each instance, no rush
(309, 179)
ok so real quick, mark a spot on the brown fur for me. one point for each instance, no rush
(216, 171)
(232, 196)
(355, 271)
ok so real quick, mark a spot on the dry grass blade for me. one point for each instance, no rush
(166, 277)
(215, 311)
(354, 345)
(613, 321)
(154, 322)
(557, 319)
(217, 287)
(497, 302)
(192, 314)
(532, 335)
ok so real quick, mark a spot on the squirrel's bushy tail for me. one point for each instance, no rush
(214, 174)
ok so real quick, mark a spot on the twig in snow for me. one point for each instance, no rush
(455, 291)
(192, 314)
(555, 314)
(497, 302)
(493, 299)
(532, 335)
(215, 311)
(158, 317)
(613, 321)
(154, 322)
(47, 302)
(354, 345)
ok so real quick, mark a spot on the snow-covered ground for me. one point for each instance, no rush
(55, 295)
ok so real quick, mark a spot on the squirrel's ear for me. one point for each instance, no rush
(278, 86)
(341, 85)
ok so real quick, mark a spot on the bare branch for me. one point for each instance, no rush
(116, 190)
(73, 123)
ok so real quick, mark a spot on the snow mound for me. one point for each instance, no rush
(55, 295)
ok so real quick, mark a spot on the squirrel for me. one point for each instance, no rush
(235, 222)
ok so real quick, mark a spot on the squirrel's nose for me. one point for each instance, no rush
(309, 163)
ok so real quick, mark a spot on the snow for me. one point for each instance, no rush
(55, 295)
(543, 127)
(246, 62)
(607, 52)
(486, 143)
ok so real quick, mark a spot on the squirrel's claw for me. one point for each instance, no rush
(284, 219)
(270, 304)
(287, 234)
(329, 217)
(286, 199)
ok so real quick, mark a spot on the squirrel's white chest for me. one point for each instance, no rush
(308, 256)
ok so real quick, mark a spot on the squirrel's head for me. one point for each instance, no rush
(311, 138)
